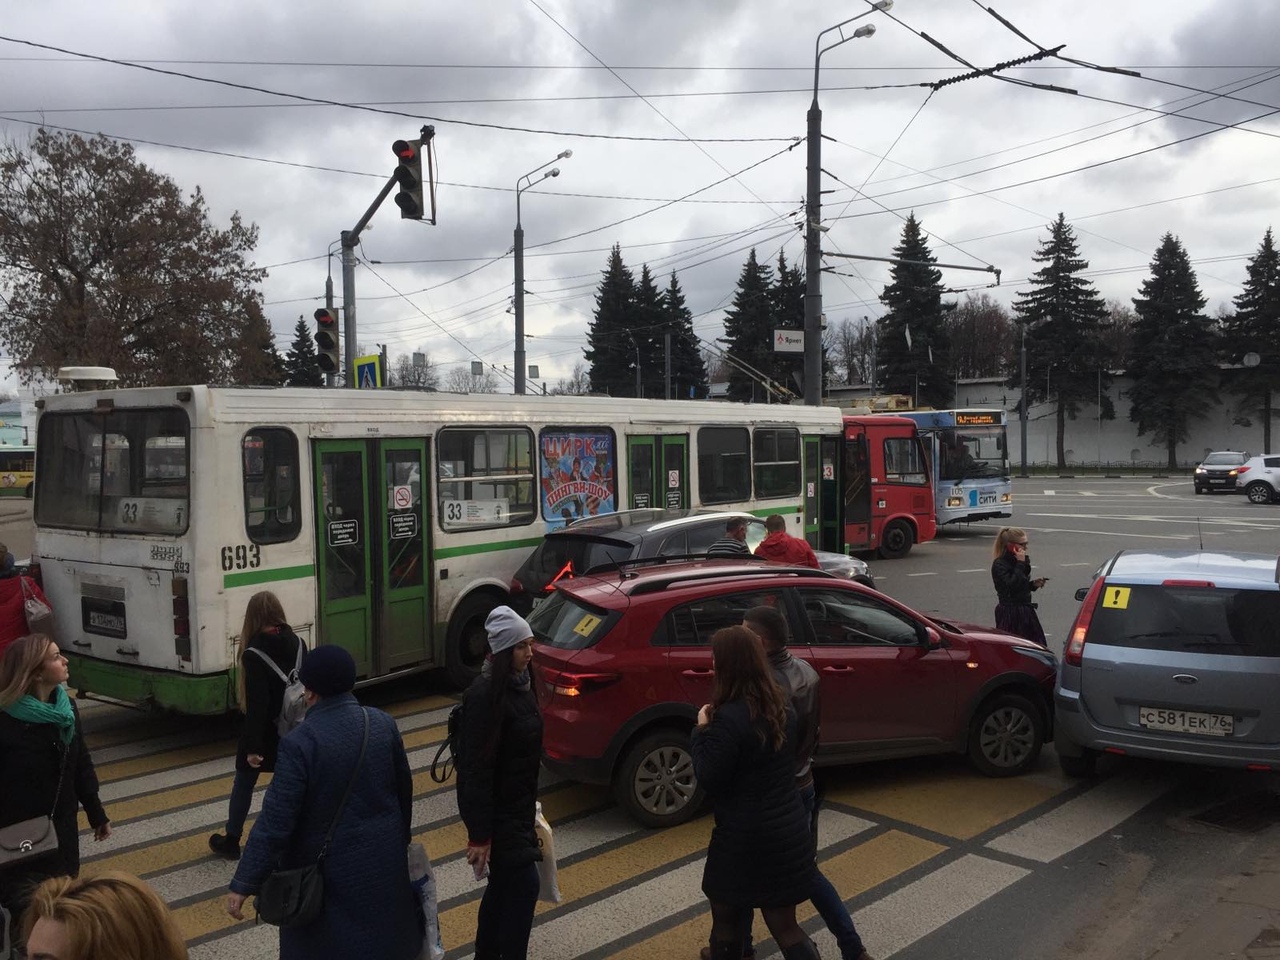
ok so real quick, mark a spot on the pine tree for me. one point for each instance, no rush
(748, 331)
(647, 324)
(610, 350)
(300, 369)
(688, 372)
(912, 352)
(1062, 317)
(1174, 365)
(1255, 329)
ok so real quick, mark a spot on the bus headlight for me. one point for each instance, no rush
(1006, 498)
(955, 501)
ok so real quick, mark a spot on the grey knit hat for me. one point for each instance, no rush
(506, 629)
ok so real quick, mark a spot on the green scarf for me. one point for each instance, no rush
(30, 710)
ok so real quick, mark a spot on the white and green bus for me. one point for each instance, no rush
(387, 522)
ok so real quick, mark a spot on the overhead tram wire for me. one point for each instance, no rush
(323, 101)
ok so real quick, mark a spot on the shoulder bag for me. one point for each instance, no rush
(38, 614)
(294, 898)
(29, 839)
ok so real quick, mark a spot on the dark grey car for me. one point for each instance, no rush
(1219, 471)
(1174, 655)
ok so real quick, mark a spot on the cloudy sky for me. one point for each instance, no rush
(684, 119)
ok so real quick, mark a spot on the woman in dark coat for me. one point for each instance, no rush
(761, 853)
(42, 755)
(1011, 574)
(260, 693)
(499, 750)
(370, 909)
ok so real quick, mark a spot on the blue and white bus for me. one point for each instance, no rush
(970, 463)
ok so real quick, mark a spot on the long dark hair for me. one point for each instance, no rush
(500, 674)
(742, 673)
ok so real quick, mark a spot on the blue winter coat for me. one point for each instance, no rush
(369, 907)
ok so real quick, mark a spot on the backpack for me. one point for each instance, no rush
(442, 769)
(294, 705)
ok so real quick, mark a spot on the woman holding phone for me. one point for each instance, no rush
(1011, 574)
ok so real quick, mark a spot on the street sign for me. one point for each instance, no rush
(369, 372)
(788, 341)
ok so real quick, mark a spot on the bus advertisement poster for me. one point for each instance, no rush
(577, 474)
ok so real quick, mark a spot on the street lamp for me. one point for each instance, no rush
(813, 212)
(519, 256)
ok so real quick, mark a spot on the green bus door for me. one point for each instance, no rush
(658, 468)
(371, 524)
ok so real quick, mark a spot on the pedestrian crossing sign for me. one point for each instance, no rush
(369, 372)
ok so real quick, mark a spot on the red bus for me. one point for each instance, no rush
(887, 486)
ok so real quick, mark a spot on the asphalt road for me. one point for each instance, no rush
(1073, 525)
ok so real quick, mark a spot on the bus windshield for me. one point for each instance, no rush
(124, 471)
(971, 453)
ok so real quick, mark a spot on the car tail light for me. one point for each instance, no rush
(574, 683)
(1188, 583)
(181, 618)
(1075, 642)
(1237, 471)
(1258, 767)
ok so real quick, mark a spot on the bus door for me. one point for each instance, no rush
(370, 546)
(812, 473)
(658, 467)
(830, 513)
(856, 483)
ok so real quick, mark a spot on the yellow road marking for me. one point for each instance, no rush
(165, 760)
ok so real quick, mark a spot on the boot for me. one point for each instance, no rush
(804, 950)
(726, 950)
(226, 847)
(748, 953)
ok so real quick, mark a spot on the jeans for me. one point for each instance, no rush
(506, 913)
(825, 898)
(241, 798)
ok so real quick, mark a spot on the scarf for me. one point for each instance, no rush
(30, 710)
(518, 681)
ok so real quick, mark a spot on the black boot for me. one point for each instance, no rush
(726, 949)
(804, 950)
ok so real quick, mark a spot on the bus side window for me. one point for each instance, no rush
(269, 459)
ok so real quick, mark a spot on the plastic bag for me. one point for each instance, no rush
(38, 613)
(548, 883)
(423, 879)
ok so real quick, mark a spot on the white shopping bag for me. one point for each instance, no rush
(548, 886)
(423, 879)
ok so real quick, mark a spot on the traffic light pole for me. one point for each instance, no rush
(350, 240)
(328, 305)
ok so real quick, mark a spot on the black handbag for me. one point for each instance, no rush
(294, 898)
(34, 838)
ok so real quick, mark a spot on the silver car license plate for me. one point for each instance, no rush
(1185, 721)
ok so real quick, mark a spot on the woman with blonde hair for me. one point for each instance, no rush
(761, 853)
(1011, 574)
(260, 693)
(45, 768)
(112, 916)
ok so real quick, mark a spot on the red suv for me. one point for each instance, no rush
(623, 662)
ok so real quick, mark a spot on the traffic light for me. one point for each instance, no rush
(409, 176)
(327, 357)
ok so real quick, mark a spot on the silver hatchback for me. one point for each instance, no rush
(1174, 655)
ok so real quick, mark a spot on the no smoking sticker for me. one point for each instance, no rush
(1117, 598)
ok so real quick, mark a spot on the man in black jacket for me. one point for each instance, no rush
(800, 683)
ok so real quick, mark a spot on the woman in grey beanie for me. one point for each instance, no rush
(499, 752)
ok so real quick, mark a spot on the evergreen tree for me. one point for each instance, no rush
(912, 352)
(1174, 364)
(688, 372)
(788, 314)
(748, 331)
(610, 350)
(1255, 329)
(1062, 317)
(647, 322)
(300, 368)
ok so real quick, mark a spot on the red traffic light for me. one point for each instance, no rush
(405, 150)
(326, 318)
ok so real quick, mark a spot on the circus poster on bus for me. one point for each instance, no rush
(577, 469)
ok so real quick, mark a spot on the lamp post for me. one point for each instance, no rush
(1022, 401)
(519, 258)
(813, 212)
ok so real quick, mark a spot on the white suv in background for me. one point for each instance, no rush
(1259, 478)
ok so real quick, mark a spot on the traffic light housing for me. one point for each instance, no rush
(328, 356)
(409, 176)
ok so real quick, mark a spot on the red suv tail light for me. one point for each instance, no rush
(1075, 642)
(574, 683)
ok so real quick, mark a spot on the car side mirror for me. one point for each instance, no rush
(1081, 593)
(932, 638)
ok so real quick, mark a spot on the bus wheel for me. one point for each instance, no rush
(468, 641)
(896, 540)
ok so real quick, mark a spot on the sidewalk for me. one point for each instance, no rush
(1244, 923)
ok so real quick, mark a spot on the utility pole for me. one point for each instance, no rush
(813, 255)
(328, 305)
(666, 346)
